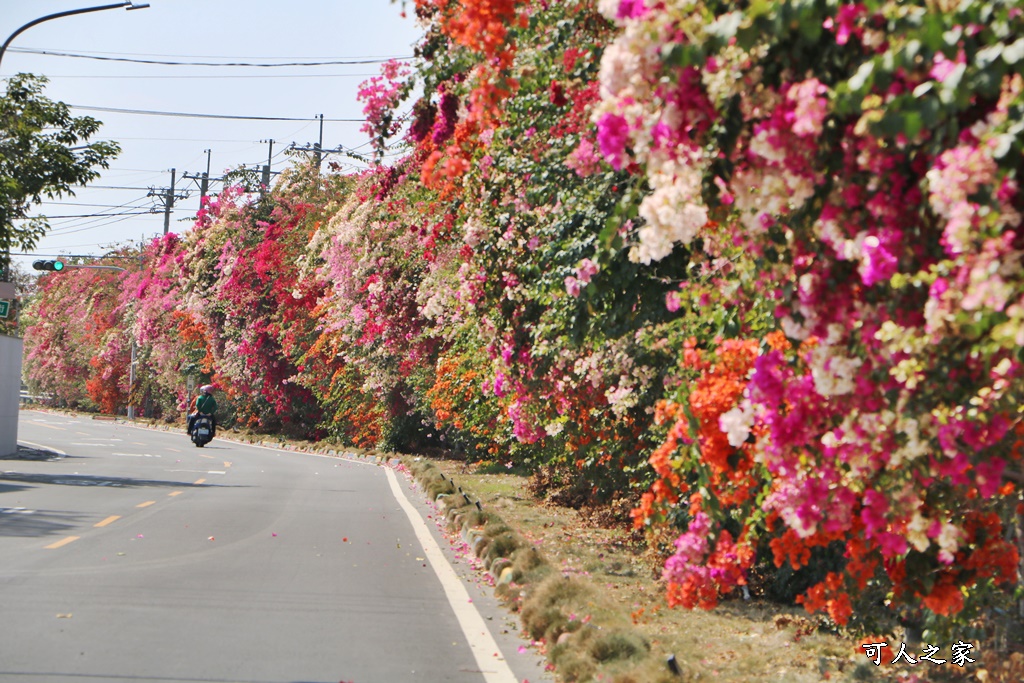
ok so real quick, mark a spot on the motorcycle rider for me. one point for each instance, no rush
(205, 404)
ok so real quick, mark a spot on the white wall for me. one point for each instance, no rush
(10, 393)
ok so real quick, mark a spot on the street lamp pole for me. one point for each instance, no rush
(127, 4)
(5, 256)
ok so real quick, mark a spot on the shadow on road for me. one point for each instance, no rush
(36, 454)
(34, 523)
(48, 676)
(84, 480)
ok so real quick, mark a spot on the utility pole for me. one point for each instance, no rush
(266, 169)
(320, 145)
(169, 204)
(169, 197)
(204, 186)
(203, 179)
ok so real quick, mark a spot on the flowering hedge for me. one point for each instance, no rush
(864, 157)
(753, 269)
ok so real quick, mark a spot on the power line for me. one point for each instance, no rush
(100, 225)
(147, 112)
(151, 54)
(149, 78)
(77, 55)
(99, 206)
(112, 187)
(128, 206)
(73, 255)
(91, 215)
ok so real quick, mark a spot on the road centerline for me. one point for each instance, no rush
(63, 542)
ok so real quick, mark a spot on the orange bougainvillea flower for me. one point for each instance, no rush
(945, 598)
(829, 596)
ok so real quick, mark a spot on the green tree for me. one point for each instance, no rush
(42, 154)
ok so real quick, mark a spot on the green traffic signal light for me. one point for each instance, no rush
(56, 265)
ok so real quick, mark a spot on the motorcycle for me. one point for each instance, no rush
(202, 430)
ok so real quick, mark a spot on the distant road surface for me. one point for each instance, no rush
(135, 556)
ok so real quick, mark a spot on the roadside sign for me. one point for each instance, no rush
(5, 307)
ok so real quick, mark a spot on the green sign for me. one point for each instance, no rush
(5, 307)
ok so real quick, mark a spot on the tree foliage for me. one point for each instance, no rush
(44, 153)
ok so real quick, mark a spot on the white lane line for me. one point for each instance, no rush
(136, 455)
(16, 511)
(481, 642)
(42, 447)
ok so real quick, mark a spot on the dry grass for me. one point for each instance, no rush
(593, 598)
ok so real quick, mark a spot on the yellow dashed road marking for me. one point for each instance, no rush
(198, 481)
(43, 424)
(109, 520)
(227, 465)
(208, 457)
(174, 493)
(63, 542)
(146, 504)
(174, 450)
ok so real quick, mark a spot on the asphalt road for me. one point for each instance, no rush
(135, 556)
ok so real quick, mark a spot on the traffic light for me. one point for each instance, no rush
(56, 264)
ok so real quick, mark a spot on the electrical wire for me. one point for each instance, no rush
(92, 215)
(111, 187)
(119, 138)
(130, 205)
(99, 206)
(148, 112)
(149, 78)
(102, 58)
(174, 56)
(204, 56)
(90, 244)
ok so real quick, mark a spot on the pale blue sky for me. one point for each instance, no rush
(197, 30)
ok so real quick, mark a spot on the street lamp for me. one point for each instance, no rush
(127, 4)
(5, 255)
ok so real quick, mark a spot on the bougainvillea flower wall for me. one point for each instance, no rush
(752, 270)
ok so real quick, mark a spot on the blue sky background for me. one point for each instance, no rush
(264, 31)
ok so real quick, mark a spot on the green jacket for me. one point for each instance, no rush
(206, 404)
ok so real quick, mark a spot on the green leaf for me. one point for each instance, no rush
(912, 124)
(932, 31)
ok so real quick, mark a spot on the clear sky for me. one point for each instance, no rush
(260, 31)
